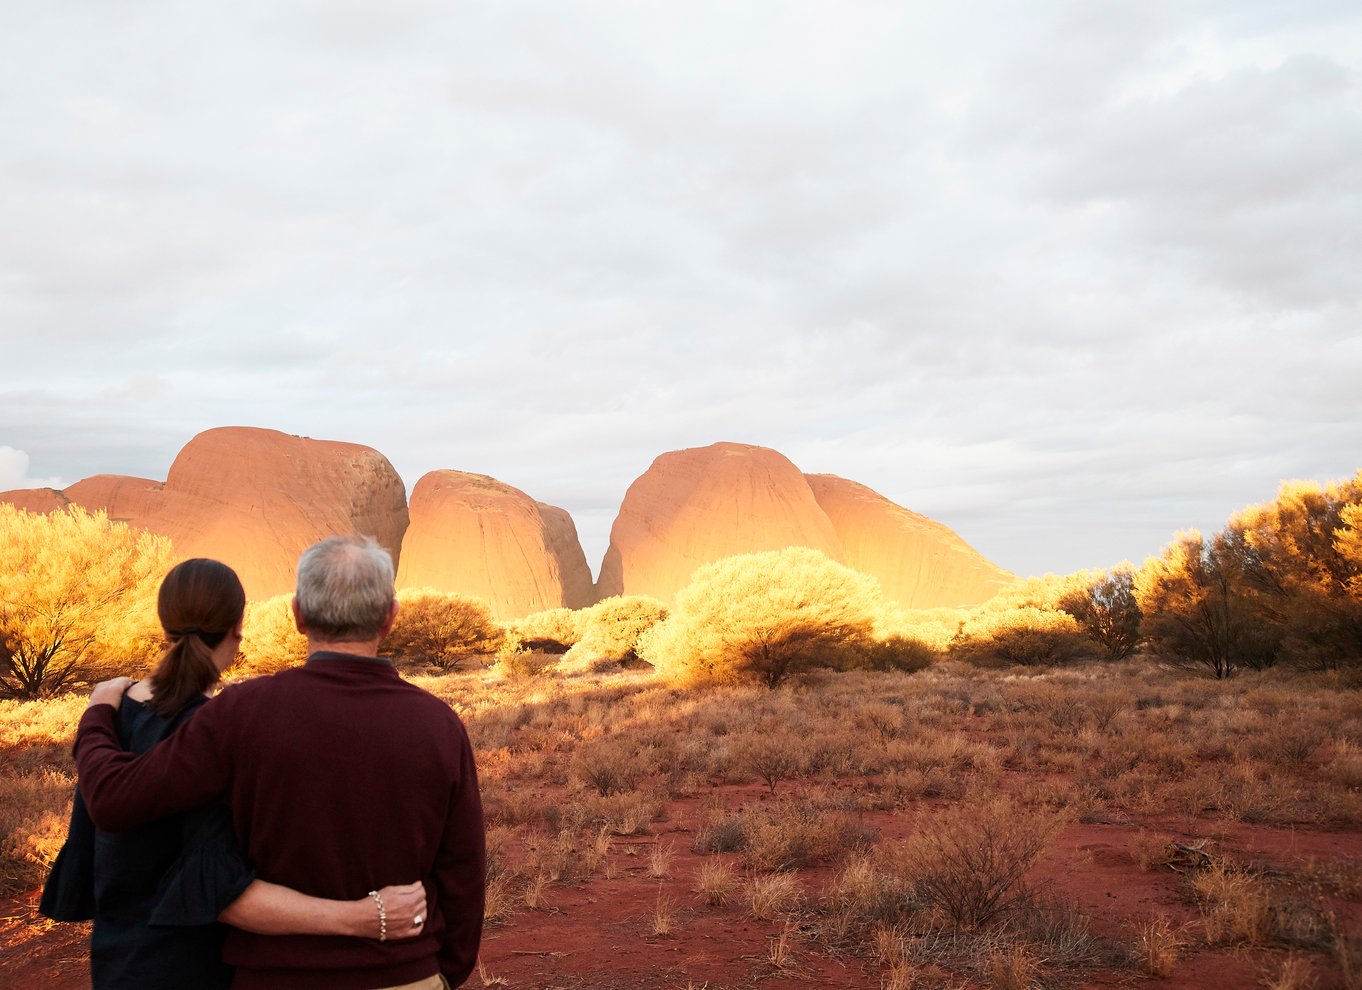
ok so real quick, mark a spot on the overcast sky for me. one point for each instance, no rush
(1066, 276)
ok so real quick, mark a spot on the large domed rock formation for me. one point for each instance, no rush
(474, 535)
(701, 504)
(256, 499)
(920, 562)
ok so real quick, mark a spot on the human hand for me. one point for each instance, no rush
(405, 906)
(109, 692)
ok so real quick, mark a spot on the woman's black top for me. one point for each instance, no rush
(154, 892)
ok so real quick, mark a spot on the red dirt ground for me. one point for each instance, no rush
(599, 934)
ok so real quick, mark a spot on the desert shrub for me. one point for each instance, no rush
(610, 629)
(611, 766)
(932, 627)
(441, 629)
(554, 630)
(764, 616)
(1025, 637)
(894, 653)
(526, 663)
(77, 598)
(270, 638)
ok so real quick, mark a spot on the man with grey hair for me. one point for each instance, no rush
(342, 778)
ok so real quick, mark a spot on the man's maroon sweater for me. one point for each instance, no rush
(342, 779)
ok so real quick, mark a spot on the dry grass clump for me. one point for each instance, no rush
(1236, 907)
(788, 834)
(773, 895)
(34, 810)
(1151, 850)
(1158, 945)
(1294, 973)
(716, 882)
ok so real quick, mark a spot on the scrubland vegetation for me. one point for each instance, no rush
(839, 792)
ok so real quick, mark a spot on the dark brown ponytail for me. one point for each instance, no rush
(200, 602)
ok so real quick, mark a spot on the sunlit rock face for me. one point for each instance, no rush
(35, 499)
(698, 505)
(920, 563)
(474, 535)
(255, 499)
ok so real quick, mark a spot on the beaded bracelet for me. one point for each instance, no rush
(382, 916)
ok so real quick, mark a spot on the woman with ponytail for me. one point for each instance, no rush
(157, 893)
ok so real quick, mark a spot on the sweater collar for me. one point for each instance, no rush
(328, 656)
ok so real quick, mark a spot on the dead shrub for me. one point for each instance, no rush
(773, 758)
(969, 863)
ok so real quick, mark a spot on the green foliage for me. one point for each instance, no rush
(1107, 611)
(441, 629)
(554, 630)
(270, 639)
(764, 616)
(77, 598)
(610, 629)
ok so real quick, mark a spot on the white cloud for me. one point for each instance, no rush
(1067, 278)
(14, 466)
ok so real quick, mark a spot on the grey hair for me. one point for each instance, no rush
(345, 588)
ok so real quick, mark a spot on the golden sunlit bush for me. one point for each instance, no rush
(554, 630)
(441, 629)
(610, 630)
(1026, 636)
(270, 638)
(764, 616)
(77, 599)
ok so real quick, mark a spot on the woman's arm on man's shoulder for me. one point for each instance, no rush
(269, 909)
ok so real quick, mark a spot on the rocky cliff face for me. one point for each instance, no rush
(474, 535)
(256, 499)
(920, 563)
(697, 505)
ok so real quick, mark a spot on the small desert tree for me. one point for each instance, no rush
(1197, 608)
(764, 616)
(1107, 611)
(440, 628)
(77, 598)
(1294, 557)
